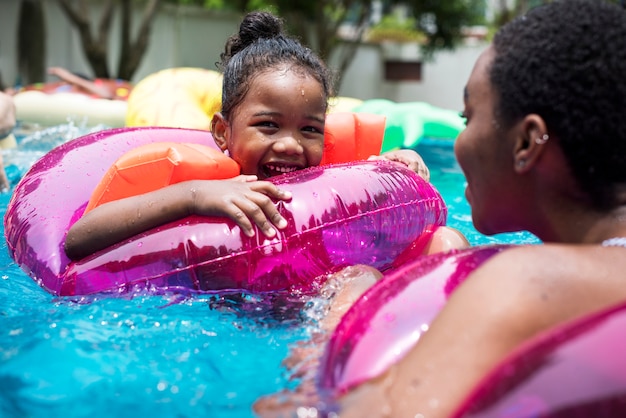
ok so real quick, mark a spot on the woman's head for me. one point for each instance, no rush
(565, 61)
(274, 100)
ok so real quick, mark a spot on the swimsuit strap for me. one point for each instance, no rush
(614, 242)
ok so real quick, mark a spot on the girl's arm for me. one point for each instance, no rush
(242, 200)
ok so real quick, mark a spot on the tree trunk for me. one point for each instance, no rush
(31, 44)
(319, 31)
(96, 48)
(132, 52)
(348, 49)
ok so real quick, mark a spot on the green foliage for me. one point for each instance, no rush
(214, 4)
(209, 4)
(435, 24)
(393, 28)
(443, 20)
(258, 5)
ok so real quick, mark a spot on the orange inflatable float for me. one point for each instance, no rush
(347, 137)
(153, 166)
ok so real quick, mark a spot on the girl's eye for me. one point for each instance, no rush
(313, 129)
(267, 124)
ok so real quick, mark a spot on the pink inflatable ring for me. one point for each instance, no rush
(362, 212)
(389, 318)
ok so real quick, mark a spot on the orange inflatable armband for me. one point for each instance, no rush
(156, 165)
(352, 136)
(347, 137)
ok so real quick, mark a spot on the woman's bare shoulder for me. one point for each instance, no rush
(551, 264)
(539, 285)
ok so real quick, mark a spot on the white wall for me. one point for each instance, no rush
(179, 37)
(195, 38)
(187, 37)
(8, 38)
(443, 78)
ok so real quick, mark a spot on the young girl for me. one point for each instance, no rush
(274, 102)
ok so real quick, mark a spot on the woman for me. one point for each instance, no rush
(544, 151)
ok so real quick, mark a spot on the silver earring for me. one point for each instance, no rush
(227, 153)
(544, 138)
(521, 163)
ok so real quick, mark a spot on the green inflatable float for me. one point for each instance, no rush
(408, 123)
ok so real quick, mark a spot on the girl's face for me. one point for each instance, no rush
(485, 153)
(278, 127)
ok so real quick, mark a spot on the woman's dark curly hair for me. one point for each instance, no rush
(260, 46)
(566, 61)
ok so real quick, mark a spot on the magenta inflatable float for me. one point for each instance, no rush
(575, 370)
(389, 318)
(362, 212)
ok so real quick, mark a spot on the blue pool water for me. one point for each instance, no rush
(157, 356)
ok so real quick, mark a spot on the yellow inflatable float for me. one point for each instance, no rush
(176, 97)
(341, 104)
(188, 97)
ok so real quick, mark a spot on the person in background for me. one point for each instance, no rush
(7, 139)
(544, 151)
(92, 87)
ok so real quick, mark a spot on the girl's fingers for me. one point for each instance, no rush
(241, 219)
(271, 190)
(259, 210)
(244, 178)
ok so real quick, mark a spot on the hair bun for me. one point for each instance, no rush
(255, 25)
(259, 25)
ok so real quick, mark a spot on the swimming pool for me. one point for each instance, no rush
(159, 356)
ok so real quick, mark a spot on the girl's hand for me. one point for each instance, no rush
(243, 199)
(409, 158)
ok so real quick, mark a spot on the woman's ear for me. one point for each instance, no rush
(530, 144)
(219, 130)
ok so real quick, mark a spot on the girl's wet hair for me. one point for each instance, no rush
(259, 46)
(566, 61)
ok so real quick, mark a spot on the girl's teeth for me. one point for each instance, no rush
(281, 169)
